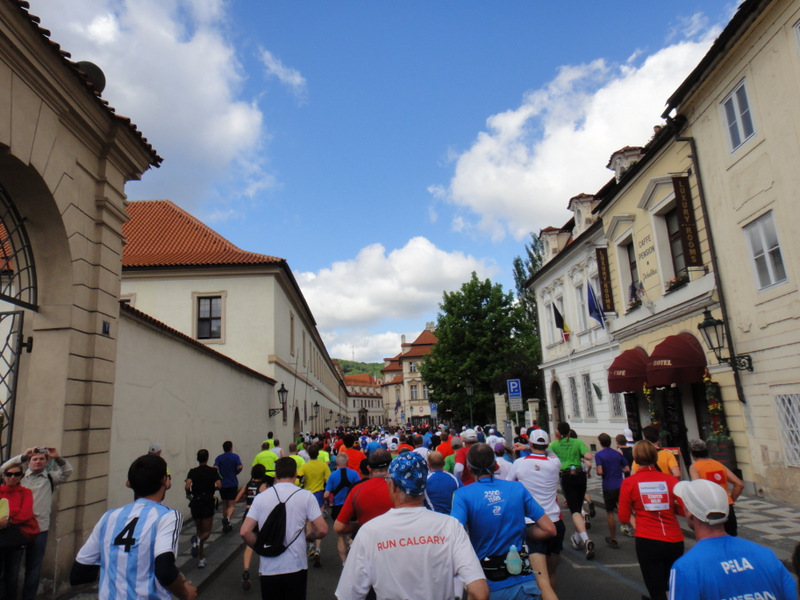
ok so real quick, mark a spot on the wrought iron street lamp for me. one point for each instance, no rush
(283, 393)
(469, 390)
(713, 332)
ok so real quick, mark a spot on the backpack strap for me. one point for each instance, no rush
(297, 535)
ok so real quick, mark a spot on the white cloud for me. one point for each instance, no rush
(189, 108)
(288, 76)
(519, 174)
(376, 286)
(363, 346)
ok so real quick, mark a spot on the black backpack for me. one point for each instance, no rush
(269, 541)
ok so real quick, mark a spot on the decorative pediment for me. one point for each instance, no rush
(618, 225)
(658, 190)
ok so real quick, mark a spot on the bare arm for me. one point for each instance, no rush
(339, 527)
(318, 529)
(478, 590)
(182, 589)
(248, 531)
(542, 530)
(738, 484)
(676, 470)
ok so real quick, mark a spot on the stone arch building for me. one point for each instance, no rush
(65, 157)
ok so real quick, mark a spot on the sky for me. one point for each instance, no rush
(385, 149)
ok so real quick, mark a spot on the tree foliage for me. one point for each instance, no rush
(350, 367)
(484, 338)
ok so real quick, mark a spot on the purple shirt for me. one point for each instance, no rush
(612, 462)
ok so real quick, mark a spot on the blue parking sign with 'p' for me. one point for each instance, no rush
(514, 388)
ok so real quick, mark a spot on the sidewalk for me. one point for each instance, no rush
(774, 525)
(220, 550)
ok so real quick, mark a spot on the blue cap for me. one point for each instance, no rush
(409, 471)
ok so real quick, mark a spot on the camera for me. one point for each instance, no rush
(41, 450)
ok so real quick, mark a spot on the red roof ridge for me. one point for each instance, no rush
(161, 234)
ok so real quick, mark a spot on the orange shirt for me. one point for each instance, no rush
(354, 458)
(713, 470)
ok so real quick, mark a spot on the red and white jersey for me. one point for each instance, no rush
(540, 474)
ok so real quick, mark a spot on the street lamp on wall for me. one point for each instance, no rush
(469, 390)
(283, 393)
(713, 333)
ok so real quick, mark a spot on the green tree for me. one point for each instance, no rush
(524, 269)
(484, 338)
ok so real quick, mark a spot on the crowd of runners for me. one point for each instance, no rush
(440, 512)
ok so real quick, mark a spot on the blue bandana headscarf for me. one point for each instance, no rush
(409, 471)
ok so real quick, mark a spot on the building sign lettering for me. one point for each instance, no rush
(686, 222)
(604, 276)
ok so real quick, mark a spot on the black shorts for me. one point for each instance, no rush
(228, 493)
(553, 545)
(203, 509)
(573, 484)
(611, 498)
(335, 510)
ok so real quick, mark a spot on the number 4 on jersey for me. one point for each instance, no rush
(125, 537)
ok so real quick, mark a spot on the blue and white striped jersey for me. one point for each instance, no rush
(125, 543)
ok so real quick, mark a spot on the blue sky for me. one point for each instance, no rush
(385, 149)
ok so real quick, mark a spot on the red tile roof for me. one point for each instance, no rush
(161, 234)
(427, 337)
(64, 56)
(361, 379)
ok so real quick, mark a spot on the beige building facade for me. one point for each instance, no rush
(64, 160)
(741, 111)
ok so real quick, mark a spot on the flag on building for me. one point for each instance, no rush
(397, 404)
(565, 330)
(595, 311)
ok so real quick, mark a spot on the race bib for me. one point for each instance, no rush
(654, 494)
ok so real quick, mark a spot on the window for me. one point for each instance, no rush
(413, 392)
(412, 367)
(633, 269)
(765, 251)
(550, 320)
(425, 392)
(580, 301)
(587, 389)
(617, 405)
(576, 404)
(738, 117)
(209, 317)
(675, 243)
(789, 418)
(291, 334)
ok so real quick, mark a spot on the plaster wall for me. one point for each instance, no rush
(758, 178)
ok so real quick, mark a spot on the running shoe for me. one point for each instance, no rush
(592, 512)
(317, 562)
(587, 522)
(226, 525)
(612, 543)
(195, 546)
(201, 564)
(246, 580)
(627, 530)
(575, 541)
(589, 549)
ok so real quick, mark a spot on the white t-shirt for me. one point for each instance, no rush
(422, 451)
(503, 468)
(409, 553)
(301, 508)
(125, 543)
(540, 474)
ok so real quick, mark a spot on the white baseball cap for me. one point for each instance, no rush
(539, 437)
(706, 500)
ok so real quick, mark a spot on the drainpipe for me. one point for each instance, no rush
(713, 252)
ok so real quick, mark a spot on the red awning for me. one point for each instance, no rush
(628, 372)
(678, 359)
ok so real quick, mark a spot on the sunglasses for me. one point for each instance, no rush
(13, 474)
